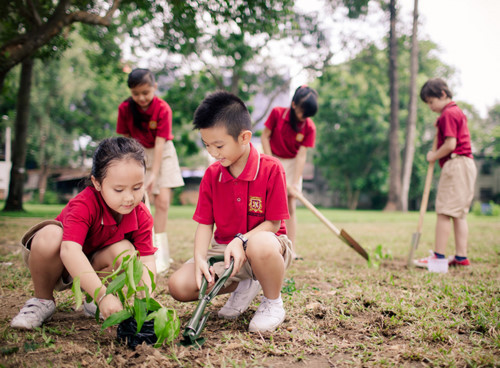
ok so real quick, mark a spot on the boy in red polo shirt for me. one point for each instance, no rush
(288, 133)
(244, 195)
(456, 183)
(148, 119)
(103, 221)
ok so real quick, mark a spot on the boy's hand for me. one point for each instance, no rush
(235, 250)
(150, 183)
(202, 269)
(431, 156)
(109, 304)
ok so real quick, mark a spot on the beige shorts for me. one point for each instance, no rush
(64, 281)
(246, 270)
(289, 164)
(170, 175)
(456, 187)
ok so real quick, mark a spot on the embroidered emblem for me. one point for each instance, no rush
(153, 124)
(255, 204)
(299, 137)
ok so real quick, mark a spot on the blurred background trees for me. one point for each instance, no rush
(80, 58)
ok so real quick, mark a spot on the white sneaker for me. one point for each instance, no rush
(34, 312)
(268, 317)
(239, 300)
(162, 255)
(423, 262)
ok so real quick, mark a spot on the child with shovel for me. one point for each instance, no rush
(244, 195)
(458, 175)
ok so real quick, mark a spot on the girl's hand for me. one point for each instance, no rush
(150, 183)
(295, 187)
(109, 304)
(234, 250)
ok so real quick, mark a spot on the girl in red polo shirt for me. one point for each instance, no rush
(288, 133)
(104, 220)
(148, 119)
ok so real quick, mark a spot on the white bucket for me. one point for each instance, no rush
(439, 265)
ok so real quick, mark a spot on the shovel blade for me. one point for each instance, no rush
(353, 244)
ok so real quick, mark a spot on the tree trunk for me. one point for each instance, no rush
(394, 201)
(15, 198)
(412, 114)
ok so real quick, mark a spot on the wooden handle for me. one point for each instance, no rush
(314, 210)
(427, 189)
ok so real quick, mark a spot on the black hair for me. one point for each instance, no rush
(115, 149)
(222, 108)
(307, 99)
(434, 88)
(136, 78)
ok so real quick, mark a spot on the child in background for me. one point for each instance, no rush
(104, 220)
(244, 195)
(456, 183)
(148, 119)
(288, 133)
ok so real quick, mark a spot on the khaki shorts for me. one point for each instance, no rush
(64, 281)
(246, 270)
(289, 164)
(456, 187)
(170, 175)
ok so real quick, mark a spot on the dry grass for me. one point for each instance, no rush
(339, 312)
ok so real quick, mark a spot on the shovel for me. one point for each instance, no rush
(192, 332)
(341, 234)
(423, 207)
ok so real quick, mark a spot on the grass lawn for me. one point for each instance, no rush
(340, 312)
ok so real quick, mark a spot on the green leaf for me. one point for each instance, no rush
(138, 269)
(153, 305)
(77, 292)
(116, 318)
(117, 284)
(167, 325)
(140, 312)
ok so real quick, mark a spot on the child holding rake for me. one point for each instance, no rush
(103, 221)
(244, 195)
(288, 133)
(458, 172)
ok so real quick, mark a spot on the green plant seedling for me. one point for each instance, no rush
(125, 283)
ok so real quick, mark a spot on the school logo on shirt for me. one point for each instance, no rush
(255, 205)
(152, 124)
(299, 137)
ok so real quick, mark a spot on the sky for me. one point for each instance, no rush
(468, 33)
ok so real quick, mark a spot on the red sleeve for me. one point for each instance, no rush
(272, 119)
(448, 125)
(164, 128)
(142, 238)
(204, 213)
(77, 220)
(277, 198)
(310, 136)
(122, 124)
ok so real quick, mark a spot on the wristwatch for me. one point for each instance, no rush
(243, 239)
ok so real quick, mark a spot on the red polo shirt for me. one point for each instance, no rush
(285, 142)
(237, 205)
(453, 123)
(87, 220)
(156, 122)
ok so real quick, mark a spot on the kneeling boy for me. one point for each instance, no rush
(244, 195)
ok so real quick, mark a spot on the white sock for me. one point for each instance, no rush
(275, 301)
(243, 285)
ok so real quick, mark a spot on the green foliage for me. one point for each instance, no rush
(486, 209)
(378, 255)
(125, 283)
(289, 287)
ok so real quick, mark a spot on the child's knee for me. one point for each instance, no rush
(262, 246)
(47, 241)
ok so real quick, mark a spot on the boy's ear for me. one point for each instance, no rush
(96, 184)
(245, 137)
